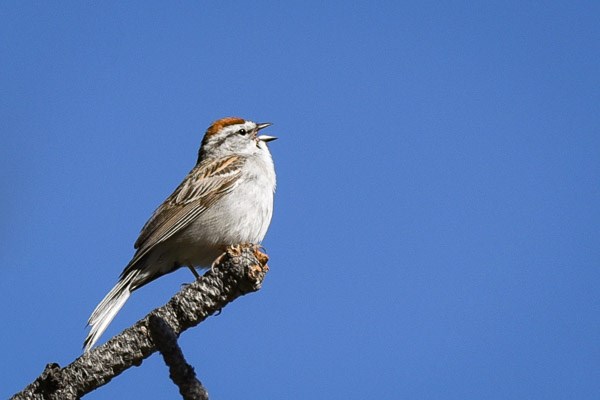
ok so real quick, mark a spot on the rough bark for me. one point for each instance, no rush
(240, 271)
(181, 373)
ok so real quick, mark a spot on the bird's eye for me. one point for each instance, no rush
(242, 131)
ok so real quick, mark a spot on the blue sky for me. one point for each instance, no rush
(436, 232)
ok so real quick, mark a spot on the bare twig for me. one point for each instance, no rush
(180, 371)
(239, 272)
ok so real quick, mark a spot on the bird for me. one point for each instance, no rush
(226, 199)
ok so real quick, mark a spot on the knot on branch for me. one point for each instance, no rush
(50, 380)
(252, 262)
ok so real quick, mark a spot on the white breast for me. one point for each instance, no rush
(241, 216)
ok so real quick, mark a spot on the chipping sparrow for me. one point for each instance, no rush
(227, 198)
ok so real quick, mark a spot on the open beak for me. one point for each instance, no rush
(264, 138)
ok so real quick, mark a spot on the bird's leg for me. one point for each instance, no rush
(194, 272)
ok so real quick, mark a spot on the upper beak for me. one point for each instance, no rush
(264, 138)
(263, 125)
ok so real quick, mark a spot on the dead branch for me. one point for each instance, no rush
(239, 272)
(181, 373)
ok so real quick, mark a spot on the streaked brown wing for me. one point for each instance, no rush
(204, 185)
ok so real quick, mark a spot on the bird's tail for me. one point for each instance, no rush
(109, 307)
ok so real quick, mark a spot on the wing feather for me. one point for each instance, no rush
(203, 186)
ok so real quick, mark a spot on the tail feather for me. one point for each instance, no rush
(109, 307)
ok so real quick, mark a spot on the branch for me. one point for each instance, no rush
(181, 372)
(239, 271)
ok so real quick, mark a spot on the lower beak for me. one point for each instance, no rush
(266, 138)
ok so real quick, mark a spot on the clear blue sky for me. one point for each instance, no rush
(436, 232)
